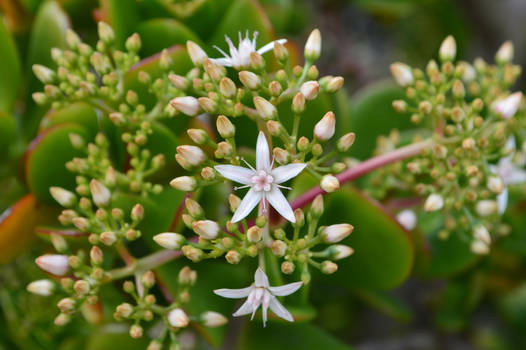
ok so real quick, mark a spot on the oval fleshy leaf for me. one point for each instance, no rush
(9, 69)
(159, 33)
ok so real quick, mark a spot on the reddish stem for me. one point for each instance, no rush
(364, 168)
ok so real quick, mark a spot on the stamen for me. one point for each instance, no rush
(250, 166)
(240, 187)
(285, 187)
(221, 51)
(272, 162)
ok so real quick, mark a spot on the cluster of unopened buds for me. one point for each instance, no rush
(468, 147)
(102, 210)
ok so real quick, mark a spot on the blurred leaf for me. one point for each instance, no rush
(160, 33)
(123, 17)
(287, 336)
(373, 115)
(513, 306)
(17, 225)
(79, 112)
(242, 16)
(9, 69)
(386, 304)
(8, 132)
(46, 158)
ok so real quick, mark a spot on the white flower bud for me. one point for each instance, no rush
(310, 89)
(189, 105)
(265, 109)
(108, 238)
(196, 53)
(313, 45)
(481, 233)
(169, 240)
(328, 267)
(225, 127)
(41, 287)
(206, 229)
(178, 318)
(335, 233)
(345, 142)
(100, 193)
(407, 218)
(64, 197)
(213, 319)
(193, 154)
(479, 247)
(44, 74)
(448, 49)
(325, 128)
(469, 73)
(249, 79)
(199, 136)
(335, 84)
(106, 33)
(505, 53)
(184, 183)
(486, 207)
(329, 183)
(434, 202)
(402, 74)
(508, 106)
(340, 251)
(55, 264)
(495, 184)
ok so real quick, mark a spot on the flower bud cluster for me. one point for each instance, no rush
(472, 115)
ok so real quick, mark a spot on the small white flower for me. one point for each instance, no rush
(261, 293)
(240, 57)
(407, 218)
(264, 182)
(508, 106)
(509, 173)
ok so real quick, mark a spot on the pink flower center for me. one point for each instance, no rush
(262, 181)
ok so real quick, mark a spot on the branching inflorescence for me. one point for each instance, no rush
(100, 209)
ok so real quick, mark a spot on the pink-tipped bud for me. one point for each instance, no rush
(312, 49)
(101, 194)
(64, 197)
(169, 240)
(336, 233)
(434, 202)
(495, 184)
(448, 49)
(486, 207)
(225, 127)
(249, 79)
(340, 251)
(184, 183)
(508, 106)
(325, 128)
(505, 53)
(213, 319)
(188, 105)
(196, 53)
(206, 229)
(402, 74)
(329, 183)
(266, 110)
(41, 287)
(310, 89)
(178, 318)
(55, 264)
(193, 154)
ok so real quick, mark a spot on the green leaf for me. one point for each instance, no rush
(386, 304)
(8, 132)
(123, 17)
(243, 15)
(373, 115)
(384, 252)
(80, 113)
(9, 69)
(46, 158)
(160, 33)
(287, 336)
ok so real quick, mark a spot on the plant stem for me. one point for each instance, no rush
(144, 264)
(364, 168)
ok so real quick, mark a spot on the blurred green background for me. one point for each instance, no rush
(459, 303)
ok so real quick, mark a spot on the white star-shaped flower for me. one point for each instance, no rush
(261, 293)
(240, 57)
(509, 173)
(264, 182)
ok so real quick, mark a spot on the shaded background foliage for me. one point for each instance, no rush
(399, 291)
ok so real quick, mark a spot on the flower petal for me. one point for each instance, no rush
(280, 203)
(502, 201)
(264, 306)
(225, 62)
(286, 289)
(516, 176)
(280, 310)
(233, 293)
(248, 203)
(245, 309)
(270, 46)
(287, 172)
(261, 279)
(235, 173)
(262, 153)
